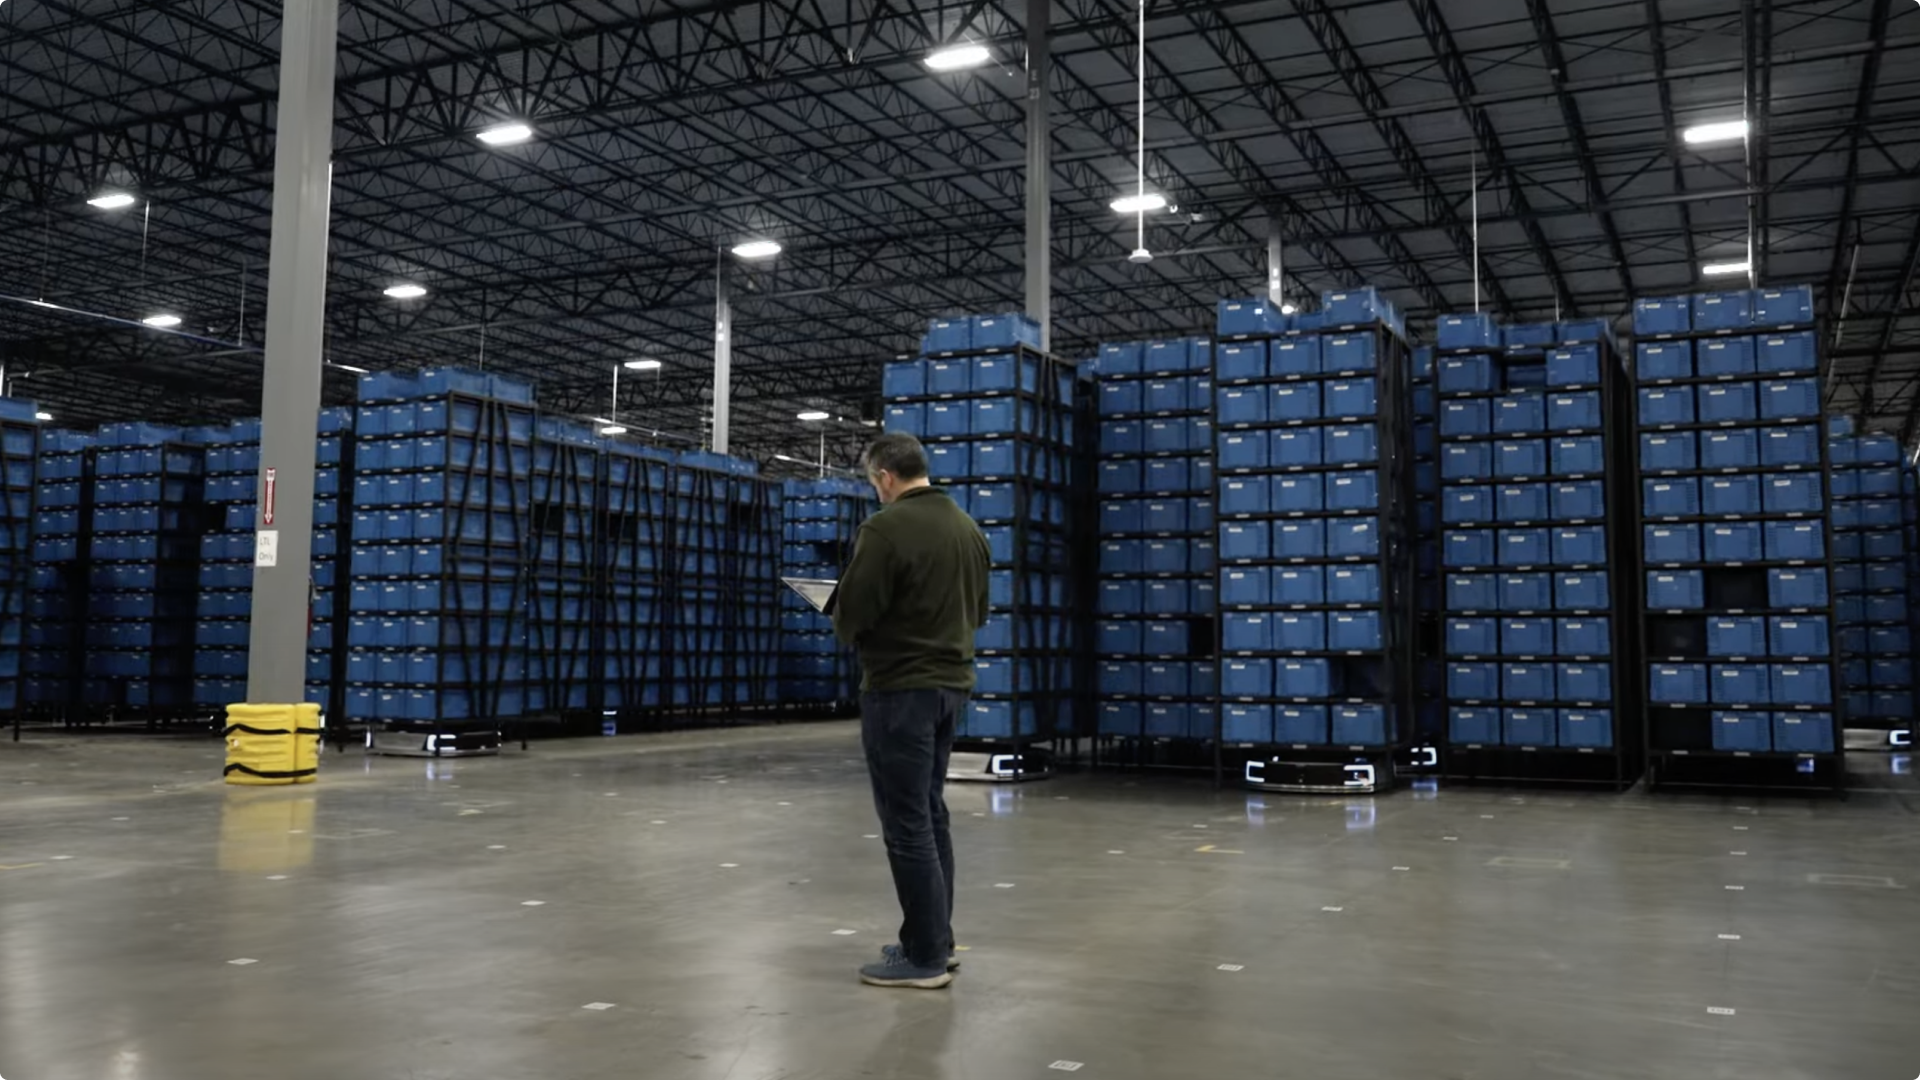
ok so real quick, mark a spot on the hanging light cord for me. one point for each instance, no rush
(1140, 158)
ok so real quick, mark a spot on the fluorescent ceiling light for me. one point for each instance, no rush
(406, 291)
(1288, 309)
(957, 57)
(757, 249)
(613, 429)
(1139, 204)
(506, 134)
(350, 367)
(163, 322)
(1725, 131)
(642, 365)
(112, 200)
(814, 415)
(43, 416)
(1726, 268)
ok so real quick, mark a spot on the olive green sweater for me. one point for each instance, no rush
(914, 594)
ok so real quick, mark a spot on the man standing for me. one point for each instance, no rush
(910, 601)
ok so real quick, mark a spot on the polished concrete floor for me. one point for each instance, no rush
(693, 906)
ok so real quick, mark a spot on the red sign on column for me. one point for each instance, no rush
(266, 499)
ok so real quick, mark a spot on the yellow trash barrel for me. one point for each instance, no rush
(273, 744)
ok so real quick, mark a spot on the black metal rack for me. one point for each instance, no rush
(1710, 733)
(818, 676)
(141, 601)
(561, 538)
(1153, 672)
(629, 654)
(56, 629)
(1023, 498)
(721, 592)
(1537, 555)
(1315, 718)
(1430, 706)
(19, 452)
(1874, 611)
(438, 598)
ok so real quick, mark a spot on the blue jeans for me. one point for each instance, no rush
(908, 735)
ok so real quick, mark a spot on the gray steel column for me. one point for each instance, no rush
(1040, 167)
(1276, 266)
(722, 354)
(296, 329)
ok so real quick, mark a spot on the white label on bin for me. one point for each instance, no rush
(266, 548)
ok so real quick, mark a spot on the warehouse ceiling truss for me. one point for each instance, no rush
(1532, 149)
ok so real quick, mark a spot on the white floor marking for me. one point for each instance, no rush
(1232, 967)
(1067, 1066)
(1403, 868)
(1116, 852)
(1004, 885)
(496, 847)
(600, 1006)
(277, 877)
(845, 933)
(729, 866)
(533, 903)
(123, 819)
(242, 962)
(1718, 1011)
(1736, 853)
(871, 836)
(1729, 937)
(1736, 888)
(1336, 909)
(1449, 838)
(659, 823)
(62, 858)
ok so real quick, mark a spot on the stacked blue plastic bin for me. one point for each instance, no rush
(149, 512)
(226, 567)
(629, 581)
(19, 450)
(57, 603)
(1739, 632)
(1531, 427)
(561, 533)
(1871, 581)
(722, 589)
(332, 484)
(437, 604)
(996, 415)
(1316, 554)
(822, 516)
(1154, 598)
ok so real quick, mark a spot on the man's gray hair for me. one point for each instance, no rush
(898, 453)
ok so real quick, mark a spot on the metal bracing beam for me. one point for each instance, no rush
(1556, 63)
(1437, 205)
(1862, 110)
(1460, 81)
(1657, 48)
(1252, 74)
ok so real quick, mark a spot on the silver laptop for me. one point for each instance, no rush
(816, 591)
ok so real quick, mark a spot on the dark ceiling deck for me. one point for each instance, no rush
(667, 130)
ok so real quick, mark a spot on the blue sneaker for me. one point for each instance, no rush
(894, 952)
(898, 972)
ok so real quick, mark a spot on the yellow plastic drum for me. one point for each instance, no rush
(273, 744)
